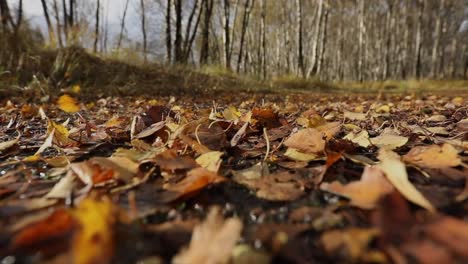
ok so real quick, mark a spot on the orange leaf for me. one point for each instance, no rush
(48, 236)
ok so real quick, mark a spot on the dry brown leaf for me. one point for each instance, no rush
(8, 144)
(389, 140)
(355, 116)
(354, 243)
(330, 129)
(364, 193)
(309, 140)
(212, 241)
(433, 156)
(395, 171)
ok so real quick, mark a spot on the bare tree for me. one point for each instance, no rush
(205, 46)
(248, 4)
(122, 26)
(435, 47)
(96, 30)
(49, 23)
(300, 49)
(178, 52)
(143, 29)
(226, 33)
(190, 32)
(168, 31)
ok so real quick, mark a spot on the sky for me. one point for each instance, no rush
(33, 8)
(33, 11)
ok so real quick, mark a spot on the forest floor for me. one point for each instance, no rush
(161, 165)
(235, 178)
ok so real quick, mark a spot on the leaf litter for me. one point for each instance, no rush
(262, 178)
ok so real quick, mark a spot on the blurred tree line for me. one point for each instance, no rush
(337, 40)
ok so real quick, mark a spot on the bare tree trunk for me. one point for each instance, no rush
(178, 56)
(96, 30)
(122, 26)
(65, 21)
(168, 31)
(418, 41)
(50, 30)
(361, 41)
(404, 54)
(205, 47)
(57, 19)
(435, 47)
(300, 49)
(263, 66)
(388, 39)
(189, 33)
(226, 33)
(323, 40)
(313, 64)
(245, 23)
(143, 30)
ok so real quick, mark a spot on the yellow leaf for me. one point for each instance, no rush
(61, 133)
(94, 241)
(296, 155)
(389, 140)
(68, 104)
(383, 109)
(396, 173)
(210, 160)
(76, 88)
(361, 138)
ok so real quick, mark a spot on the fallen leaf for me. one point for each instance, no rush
(212, 241)
(389, 140)
(296, 155)
(361, 138)
(354, 243)
(364, 193)
(309, 140)
(94, 240)
(68, 104)
(8, 144)
(355, 116)
(330, 129)
(47, 236)
(433, 156)
(63, 189)
(195, 181)
(210, 160)
(395, 171)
